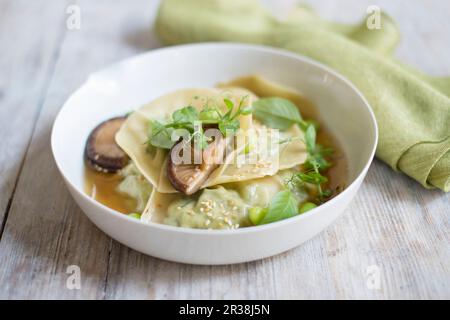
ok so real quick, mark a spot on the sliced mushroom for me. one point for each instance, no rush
(188, 178)
(102, 152)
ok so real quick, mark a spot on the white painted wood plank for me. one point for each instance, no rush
(26, 64)
(386, 227)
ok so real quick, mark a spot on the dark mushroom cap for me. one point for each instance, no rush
(102, 152)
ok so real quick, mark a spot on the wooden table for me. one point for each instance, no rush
(394, 229)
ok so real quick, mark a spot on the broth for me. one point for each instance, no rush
(338, 173)
(103, 188)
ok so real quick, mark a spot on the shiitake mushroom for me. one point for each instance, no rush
(102, 152)
(188, 178)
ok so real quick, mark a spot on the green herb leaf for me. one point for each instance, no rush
(210, 115)
(161, 136)
(282, 206)
(200, 138)
(256, 214)
(229, 127)
(307, 206)
(135, 215)
(312, 177)
(188, 117)
(313, 122)
(310, 139)
(277, 113)
(186, 114)
(229, 104)
(246, 110)
(327, 193)
(317, 161)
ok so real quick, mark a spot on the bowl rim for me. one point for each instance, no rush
(226, 232)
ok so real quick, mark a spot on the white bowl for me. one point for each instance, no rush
(135, 81)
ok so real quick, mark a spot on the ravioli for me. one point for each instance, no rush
(220, 207)
(272, 155)
(133, 135)
(268, 158)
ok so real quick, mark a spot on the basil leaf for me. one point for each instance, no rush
(186, 114)
(277, 113)
(282, 206)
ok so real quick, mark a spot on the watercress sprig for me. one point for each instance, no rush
(190, 119)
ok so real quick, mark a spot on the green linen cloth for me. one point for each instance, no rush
(412, 109)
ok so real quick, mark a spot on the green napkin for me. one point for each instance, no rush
(412, 109)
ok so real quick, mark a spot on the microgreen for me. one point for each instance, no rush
(229, 104)
(312, 177)
(188, 118)
(161, 135)
(185, 115)
(229, 123)
(317, 158)
(210, 115)
(316, 162)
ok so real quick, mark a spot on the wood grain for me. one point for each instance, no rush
(26, 67)
(393, 223)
